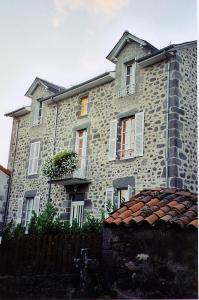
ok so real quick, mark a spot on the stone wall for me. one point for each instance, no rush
(104, 105)
(149, 263)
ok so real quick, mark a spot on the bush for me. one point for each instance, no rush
(61, 163)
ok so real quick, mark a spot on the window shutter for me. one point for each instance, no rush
(19, 210)
(36, 113)
(31, 159)
(130, 190)
(34, 158)
(109, 198)
(139, 133)
(77, 142)
(112, 140)
(36, 204)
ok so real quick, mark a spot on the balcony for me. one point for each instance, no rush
(78, 177)
(126, 90)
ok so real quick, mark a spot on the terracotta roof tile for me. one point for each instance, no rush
(172, 203)
(180, 207)
(138, 219)
(165, 209)
(122, 209)
(125, 214)
(153, 201)
(152, 219)
(136, 207)
(152, 206)
(160, 213)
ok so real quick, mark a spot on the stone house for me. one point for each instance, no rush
(133, 127)
(4, 184)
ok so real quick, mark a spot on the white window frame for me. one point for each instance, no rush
(83, 158)
(34, 158)
(29, 211)
(38, 113)
(77, 212)
(128, 89)
(129, 139)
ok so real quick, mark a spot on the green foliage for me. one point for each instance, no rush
(92, 224)
(61, 163)
(12, 231)
(46, 222)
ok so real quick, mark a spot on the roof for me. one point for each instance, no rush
(54, 88)
(162, 53)
(158, 206)
(126, 38)
(81, 87)
(4, 170)
(19, 112)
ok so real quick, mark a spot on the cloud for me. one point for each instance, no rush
(107, 8)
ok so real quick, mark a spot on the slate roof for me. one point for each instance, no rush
(51, 86)
(156, 206)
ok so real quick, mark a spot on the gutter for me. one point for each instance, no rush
(167, 126)
(54, 144)
(80, 88)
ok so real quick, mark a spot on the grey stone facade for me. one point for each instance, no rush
(166, 95)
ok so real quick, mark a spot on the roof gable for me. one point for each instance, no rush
(48, 85)
(128, 38)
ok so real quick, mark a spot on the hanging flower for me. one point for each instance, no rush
(64, 162)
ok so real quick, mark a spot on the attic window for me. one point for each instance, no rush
(128, 80)
(83, 106)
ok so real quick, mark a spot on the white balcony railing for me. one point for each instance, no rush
(126, 90)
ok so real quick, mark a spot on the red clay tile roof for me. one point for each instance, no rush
(4, 170)
(159, 205)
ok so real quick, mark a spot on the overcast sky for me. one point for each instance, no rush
(66, 41)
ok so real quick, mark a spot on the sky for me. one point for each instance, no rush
(67, 41)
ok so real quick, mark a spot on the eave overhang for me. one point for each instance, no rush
(80, 88)
(19, 112)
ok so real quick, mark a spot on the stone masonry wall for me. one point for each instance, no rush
(150, 263)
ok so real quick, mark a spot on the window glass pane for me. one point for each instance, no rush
(83, 106)
(122, 196)
(128, 137)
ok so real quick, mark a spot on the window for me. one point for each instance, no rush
(25, 207)
(34, 158)
(77, 212)
(81, 150)
(131, 142)
(29, 210)
(128, 138)
(128, 80)
(83, 106)
(37, 118)
(124, 195)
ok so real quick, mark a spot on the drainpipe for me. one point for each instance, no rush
(11, 177)
(54, 144)
(167, 125)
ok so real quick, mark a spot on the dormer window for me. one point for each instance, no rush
(37, 118)
(128, 80)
